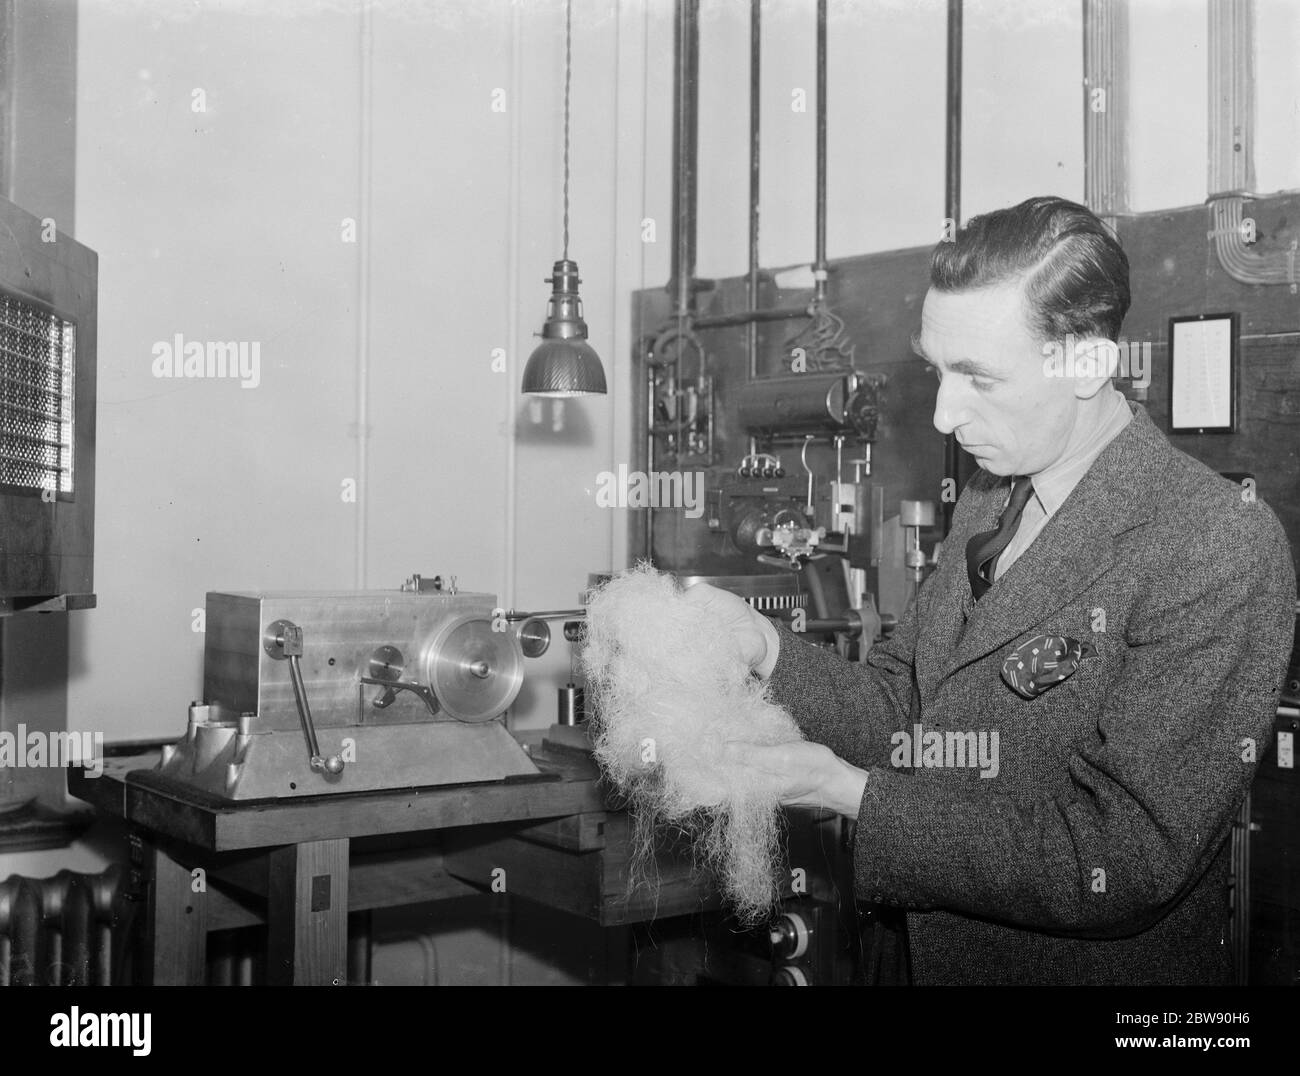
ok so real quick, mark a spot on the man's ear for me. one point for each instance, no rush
(1096, 361)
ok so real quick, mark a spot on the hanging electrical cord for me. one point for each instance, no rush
(568, 82)
(564, 363)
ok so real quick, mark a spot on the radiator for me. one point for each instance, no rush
(69, 930)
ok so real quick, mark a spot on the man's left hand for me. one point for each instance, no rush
(804, 774)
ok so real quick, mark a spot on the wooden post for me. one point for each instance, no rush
(307, 914)
(178, 918)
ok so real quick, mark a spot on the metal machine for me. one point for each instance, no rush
(794, 519)
(779, 427)
(309, 693)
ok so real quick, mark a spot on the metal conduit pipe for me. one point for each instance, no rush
(1231, 147)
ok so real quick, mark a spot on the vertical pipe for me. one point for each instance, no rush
(618, 201)
(755, 89)
(8, 134)
(686, 69)
(366, 192)
(513, 345)
(1231, 90)
(952, 202)
(819, 265)
(647, 523)
(1105, 128)
(952, 156)
(648, 547)
(1241, 910)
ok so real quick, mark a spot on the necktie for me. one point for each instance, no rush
(983, 550)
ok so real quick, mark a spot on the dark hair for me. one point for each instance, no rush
(1075, 272)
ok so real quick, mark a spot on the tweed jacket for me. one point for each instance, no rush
(1090, 843)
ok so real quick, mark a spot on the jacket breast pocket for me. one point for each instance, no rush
(1044, 663)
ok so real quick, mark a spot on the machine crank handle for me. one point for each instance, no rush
(283, 641)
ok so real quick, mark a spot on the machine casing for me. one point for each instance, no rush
(246, 741)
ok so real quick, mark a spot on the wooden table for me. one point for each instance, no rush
(301, 865)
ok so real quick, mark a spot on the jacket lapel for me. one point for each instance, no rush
(1072, 550)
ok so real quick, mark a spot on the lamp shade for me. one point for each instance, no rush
(564, 368)
(564, 364)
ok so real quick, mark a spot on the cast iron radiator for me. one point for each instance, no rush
(69, 930)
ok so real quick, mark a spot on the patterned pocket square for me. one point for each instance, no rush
(1044, 662)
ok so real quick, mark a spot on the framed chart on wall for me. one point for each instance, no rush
(1203, 374)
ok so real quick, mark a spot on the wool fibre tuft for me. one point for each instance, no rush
(669, 690)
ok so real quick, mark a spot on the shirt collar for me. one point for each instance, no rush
(1055, 483)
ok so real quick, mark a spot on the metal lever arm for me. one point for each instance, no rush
(283, 641)
(392, 687)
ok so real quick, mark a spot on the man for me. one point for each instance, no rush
(1045, 758)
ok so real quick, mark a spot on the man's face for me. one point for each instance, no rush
(993, 392)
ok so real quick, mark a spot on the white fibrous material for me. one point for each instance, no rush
(670, 689)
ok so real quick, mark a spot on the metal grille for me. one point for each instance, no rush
(37, 363)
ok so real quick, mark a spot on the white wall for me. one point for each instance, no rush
(226, 225)
(1277, 100)
(1168, 114)
(222, 225)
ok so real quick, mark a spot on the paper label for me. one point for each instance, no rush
(1286, 750)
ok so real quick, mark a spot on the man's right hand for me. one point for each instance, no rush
(755, 634)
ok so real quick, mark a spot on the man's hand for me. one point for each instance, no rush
(758, 640)
(804, 774)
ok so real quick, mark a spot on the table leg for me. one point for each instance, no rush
(307, 914)
(178, 923)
